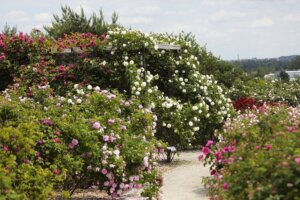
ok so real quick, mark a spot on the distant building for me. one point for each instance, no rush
(292, 74)
(270, 76)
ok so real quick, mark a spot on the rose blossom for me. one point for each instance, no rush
(105, 138)
(209, 143)
(104, 171)
(225, 186)
(205, 150)
(96, 125)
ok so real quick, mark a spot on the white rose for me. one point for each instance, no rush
(70, 101)
(97, 88)
(79, 101)
(89, 87)
(125, 63)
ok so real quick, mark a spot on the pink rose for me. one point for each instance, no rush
(96, 125)
(55, 171)
(105, 138)
(268, 147)
(205, 150)
(209, 143)
(138, 186)
(5, 148)
(297, 160)
(104, 171)
(111, 121)
(57, 133)
(73, 143)
(225, 186)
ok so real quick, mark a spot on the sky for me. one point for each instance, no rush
(230, 29)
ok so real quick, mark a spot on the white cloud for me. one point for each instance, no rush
(263, 22)
(180, 12)
(142, 10)
(87, 9)
(136, 20)
(18, 15)
(42, 17)
(224, 14)
(292, 18)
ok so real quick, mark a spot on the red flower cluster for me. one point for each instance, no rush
(244, 103)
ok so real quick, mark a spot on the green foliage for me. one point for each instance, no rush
(72, 22)
(294, 64)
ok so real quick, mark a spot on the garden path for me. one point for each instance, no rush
(183, 182)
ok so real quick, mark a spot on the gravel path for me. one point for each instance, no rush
(183, 182)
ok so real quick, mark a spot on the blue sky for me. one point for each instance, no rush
(228, 28)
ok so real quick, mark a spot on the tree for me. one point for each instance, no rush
(72, 22)
(8, 30)
(284, 76)
(295, 63)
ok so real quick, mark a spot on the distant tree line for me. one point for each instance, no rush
(261, 67)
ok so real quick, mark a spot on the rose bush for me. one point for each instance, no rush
(257, 156)
(89, 138)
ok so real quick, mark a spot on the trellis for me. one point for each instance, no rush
(143, 63)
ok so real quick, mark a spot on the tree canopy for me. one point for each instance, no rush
(294, 64)
(72, 22)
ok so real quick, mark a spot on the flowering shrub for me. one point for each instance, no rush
(267, 91)
(257, 156)
(189, 105)
(89, 138)
(244, 103)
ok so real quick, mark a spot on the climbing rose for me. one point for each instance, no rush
(297, 160)
(55, 171)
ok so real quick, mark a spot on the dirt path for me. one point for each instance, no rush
(183, 182)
